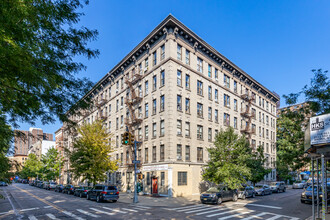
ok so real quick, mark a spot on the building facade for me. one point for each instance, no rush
(175, 92)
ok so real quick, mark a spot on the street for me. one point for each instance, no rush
(26, 202)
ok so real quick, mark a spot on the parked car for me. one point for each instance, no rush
(25, 181)
(103, 193)
(32, 182)
(81, 191)
(59, 188)
(262, 190)
(69, 189)
(299, 185)
(219, 194)
(3, 183)
(245, 192)
(306, 196)
(278, 187)
(40, 184)
(46, 185)
(51, 186)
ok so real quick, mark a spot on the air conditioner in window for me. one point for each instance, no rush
(179, 157)
(146, 69)
(117, 90)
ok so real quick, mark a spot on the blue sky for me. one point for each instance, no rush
(276, 42)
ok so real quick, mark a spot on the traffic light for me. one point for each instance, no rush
(131, 139)
(125, 138)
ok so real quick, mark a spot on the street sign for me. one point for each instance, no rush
(136, 161)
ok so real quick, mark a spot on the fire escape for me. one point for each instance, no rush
(247, 114)
(101, 114)
(133, 117)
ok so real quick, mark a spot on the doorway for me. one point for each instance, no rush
(154, 185)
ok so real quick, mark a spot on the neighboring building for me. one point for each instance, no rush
(17, 163)
(41, 147)
(175, 92)
(59, 145)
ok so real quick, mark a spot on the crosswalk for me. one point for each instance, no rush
(223, 213)
(80, 214)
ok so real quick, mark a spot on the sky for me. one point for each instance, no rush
(276, 42)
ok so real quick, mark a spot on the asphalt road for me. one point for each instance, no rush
(27, 202)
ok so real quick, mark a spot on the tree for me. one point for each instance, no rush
(256, 163)
(32, 167)
(228, 160)
(90, 156)
(52, 164)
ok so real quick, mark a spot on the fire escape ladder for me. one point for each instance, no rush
(247, 114)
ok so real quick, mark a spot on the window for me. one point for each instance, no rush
(210, 93)
(122, 83)
(199, 154)
(146, 132)
(162, 53)
(154, 81)
(216, 95)
(199, 110)
(146, 87)
(263, 118)
(235, 122)
(154, 130)
(162, 152)
(210, 114)
(162, 103)
(179, 102)
(235, 105)
(146, 110)
(253, 128)
(121, 158)
(162, 78)
(117, 86)
(140, 91)
(117, 123)
(182, 178)
(216, 75)
(199, 87)
(179, 52)
(187, 129)
(267, 120)
(226, 119)
(187, 153)
(179, 78)
(199, 65)
(117, 141)
(209, 71)
(154, 155)
(235, 86)
(140, 69)
(179, 128)
(259, 116)
(121, 101)
(154, 55)
(121, 121)
(187, 81)
(146, 159)
(254, 144)
(199, 132)
(226, 81)
(209, 136)
(146, 63)
(154, 106)
(187, 106)
(162, 128)
(162, 178)
(226, 100)
(117, 105)
(110, 92)
(254, 113)
(216, 117)
(179, 152)
(187, 57)
(267, 134)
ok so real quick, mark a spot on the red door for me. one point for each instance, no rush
(154, 186)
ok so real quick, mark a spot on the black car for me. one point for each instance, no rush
(103, 193)
(69, 189)
(218, 195)
(81, 191)
(306, 196)
(59, 188)
(245, 192)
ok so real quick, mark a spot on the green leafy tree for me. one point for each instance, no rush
(229, 158)
(90, 156)
(52, 164)
(32, 167)
(256, 163)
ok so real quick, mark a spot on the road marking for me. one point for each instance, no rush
(183, 210)
(100, 211)
(47, 207)
(183, 207)
(131, 210)
(51, 216)
(235, 215)
(9, 212)
(87, 213)
(265, 206)
(58, 201)
(215, 210)
(140, 209)
(114, 210)
(198, 210)
(256, 216)
(23, 210)
(72, 215)
(32, 217)
(143, 207)
(275, 217)
(221, 213)
(12, 205)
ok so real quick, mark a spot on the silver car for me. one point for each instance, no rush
(262, 190)
(299, 185)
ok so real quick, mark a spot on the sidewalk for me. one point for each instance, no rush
(147, 200)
